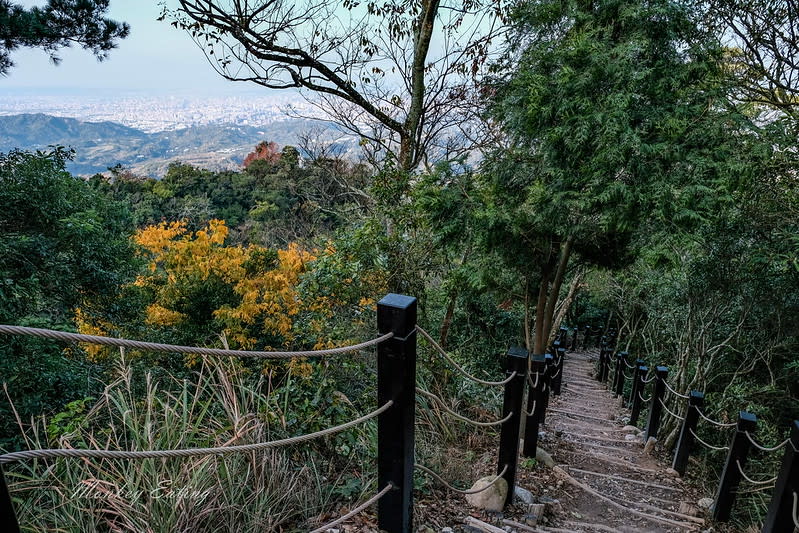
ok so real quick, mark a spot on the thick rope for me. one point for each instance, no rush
(678, 417)
(714, 448)
(166, 454)
(674, 392)
(357, 510)
(795, 517)
(460, 369)
(158, 347)
(459, 416)
(530, 380)
(752, 481)
(645, 400)
(628, 365)
(651, 379)
(764, 448)
(532, 409)
(459, 491)
(719, 424)
(556, 374)
(626, 375)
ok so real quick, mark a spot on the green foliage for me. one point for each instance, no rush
(62, 245)
(59, 24)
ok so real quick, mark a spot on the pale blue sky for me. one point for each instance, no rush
(154, 58)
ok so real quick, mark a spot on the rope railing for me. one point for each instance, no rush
(532, 409)
(674, 392)
(628, 365)
(752, 481)
(645, 400)
(765, 448)
(459, 491)
(458, 367)
(714, 422)
(459, 416)
(706, 445)
(665, 408)
(651, 379)
(185, 452)
(355, 511)
(530, 380)
(795, 516)
(159, 347)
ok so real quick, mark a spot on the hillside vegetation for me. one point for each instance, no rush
(627, 167)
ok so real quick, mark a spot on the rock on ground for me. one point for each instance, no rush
(491, 499)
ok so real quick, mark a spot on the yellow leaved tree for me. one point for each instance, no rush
(199, 289)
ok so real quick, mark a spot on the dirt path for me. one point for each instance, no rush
(608, 482)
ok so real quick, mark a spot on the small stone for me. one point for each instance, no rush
(705, 503)
(649, 447)
(671, 472)
(491, 499)
(630, 437)
(550, 503)
(520, 493)
(543, 457)
(631, 429)
(689, 509)
(447, 530)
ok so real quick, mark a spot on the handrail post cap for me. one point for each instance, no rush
(396, 313)
(747, 421)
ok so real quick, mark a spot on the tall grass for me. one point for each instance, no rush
(262, 491)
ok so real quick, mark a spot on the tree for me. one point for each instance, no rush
(371, 67)
(61, 245)
(617, 113)
(59, 24)
(264, 151)
(763, 40)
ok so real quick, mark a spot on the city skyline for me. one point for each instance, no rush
(155, 58)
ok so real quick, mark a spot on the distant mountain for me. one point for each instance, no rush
(100, 145)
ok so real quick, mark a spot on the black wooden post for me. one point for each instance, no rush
(534, 402)
(8, 519)
(557, 380)
(779, 518)
(512, 403)
(549, 368)
(731, 475)
(396, 380)
(638, 362)
(638, 392)
(685, 444)
(618, 375)
(656, 407)
(602, 371)
(564, 332)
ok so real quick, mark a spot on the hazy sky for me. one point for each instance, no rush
(154, 58)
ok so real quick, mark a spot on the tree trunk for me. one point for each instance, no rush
(549, 311)
(409, 148)
(528, 341)
(445, 325)
(564, 308)
(540, 309)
